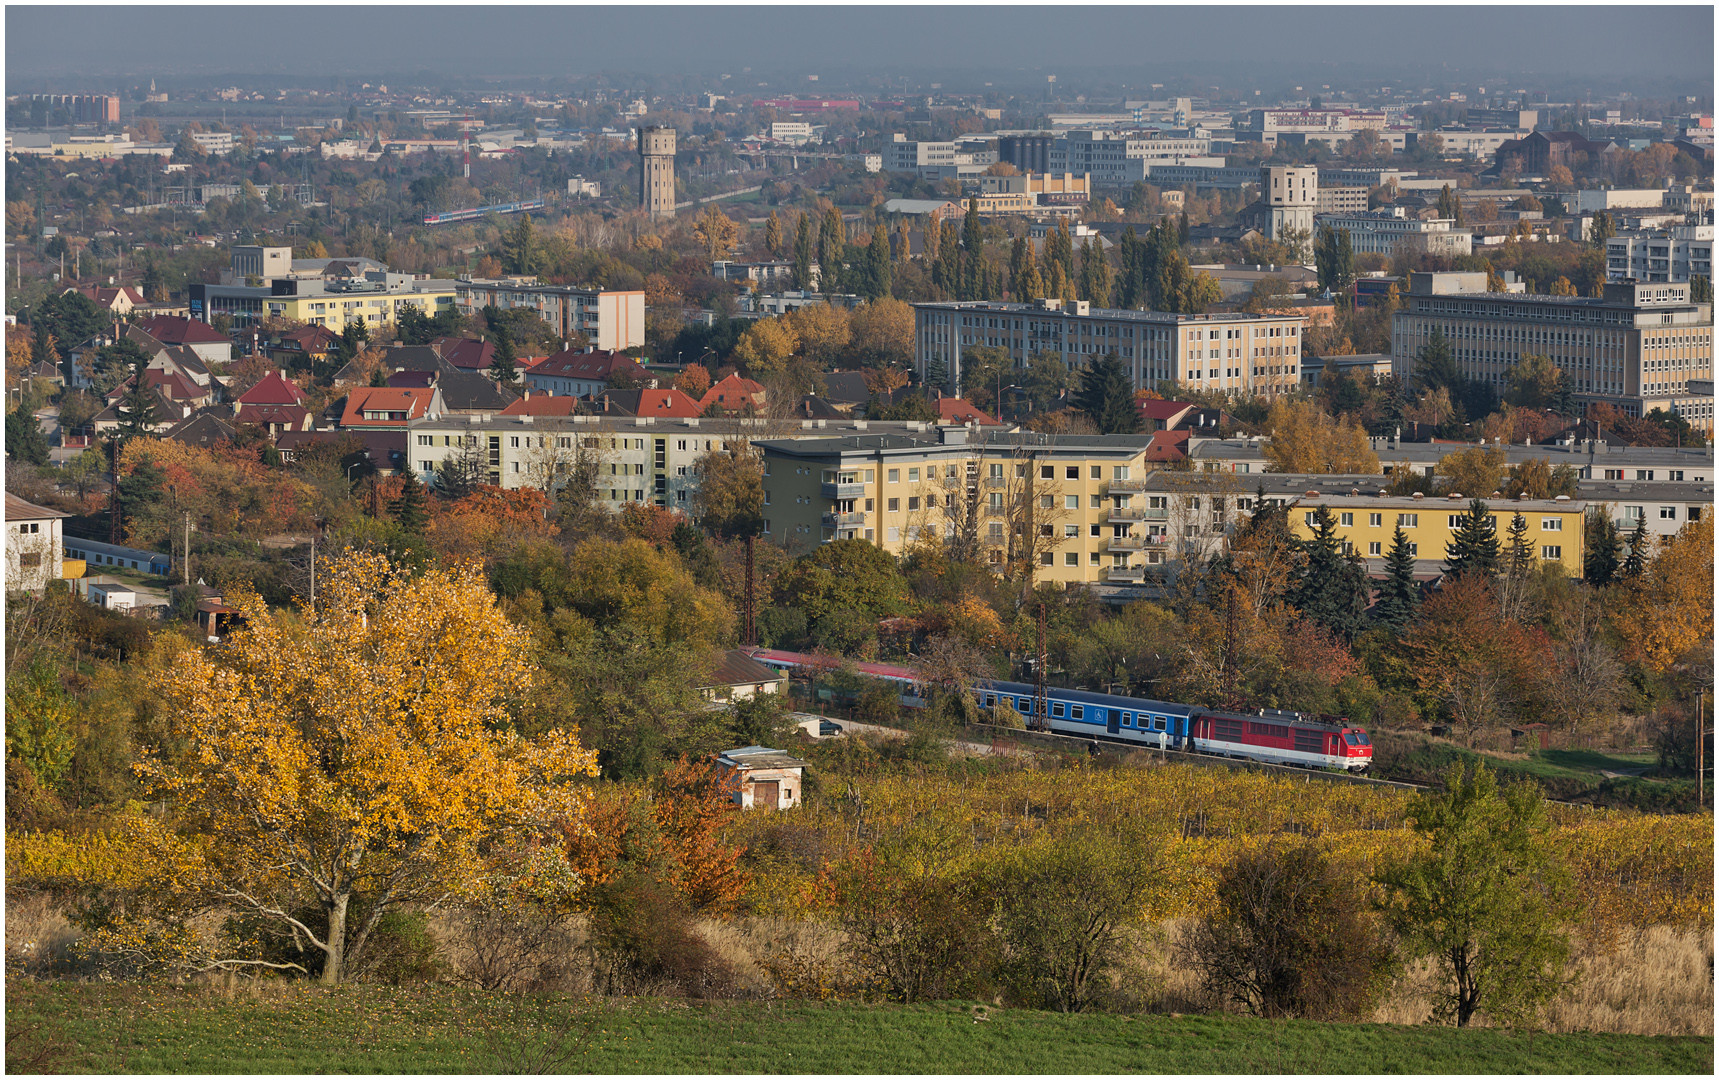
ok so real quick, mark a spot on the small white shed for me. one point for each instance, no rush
(766, 779)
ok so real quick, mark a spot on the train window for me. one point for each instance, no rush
(990, 701)
(1026, 705)
(1127, 719)
(1157, 723)
(1227, 729)
(1077, 712)
(1056, 708)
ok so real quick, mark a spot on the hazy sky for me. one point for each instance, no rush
(1558, 41)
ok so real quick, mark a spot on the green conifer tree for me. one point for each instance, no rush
(409, 509)
(1399, 596)
(1474, 547)
(1635, 563)
(1332, 589)
(1600, 548)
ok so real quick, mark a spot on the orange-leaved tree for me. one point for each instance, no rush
(354, 758)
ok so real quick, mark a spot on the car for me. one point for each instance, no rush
(829, 727)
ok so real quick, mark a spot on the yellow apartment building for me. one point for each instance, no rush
(1366, 523)
(1071, 506)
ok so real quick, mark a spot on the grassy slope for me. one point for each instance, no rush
(1573, 775)
(131, 1028)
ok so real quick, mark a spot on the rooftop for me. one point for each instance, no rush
(1156, 317)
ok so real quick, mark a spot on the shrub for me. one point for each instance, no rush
(1288, 935)
(641, 938)
(401, 950)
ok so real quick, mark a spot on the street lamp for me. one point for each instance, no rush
(349, 469)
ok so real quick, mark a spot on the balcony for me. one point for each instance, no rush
(1117, 486)
(1125, 573)
(995, 483)
(836, 521)
(1122, 515)
(842, 491)
(1126, 543)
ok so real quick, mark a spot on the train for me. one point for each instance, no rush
(473, 213)
(1273, 736)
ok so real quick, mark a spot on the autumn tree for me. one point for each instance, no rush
(1475, 472)
(1669, 610)
(715, 231)
(1306, 440)
(694, 381)
(729, 500)
(766, 347)
(804, 254)
(351, 759)
(1486, 900)
(1470, 663)
(773, 242)
(881, 334)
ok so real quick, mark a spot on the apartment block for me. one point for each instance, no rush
(1071, 506)
(1340, 200)
(1367, 522)
(377, 299)
(1252, 354)
(1116, 158)
(613, 319)
(1639, 346)
(1673, 254)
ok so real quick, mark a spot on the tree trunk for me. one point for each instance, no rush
(331, 968)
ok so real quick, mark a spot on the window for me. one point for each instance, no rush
(1071, 502)
(1047, 502)
(996, 472)
(1020, 472)
(1374, 548)
(1346, 519)
(1414, 550)
(1056, 708)
(913, 476)
(1076, 712)
(1119, 472)
(1675, 476)
(894, 476)
(1551, 551)
(1551, 524)
(895, 532)
(1456, 520)
(1071, 530)
(1668, 512)
(1071, 558)
(1072, 472)
(894, 505)
(1047, 472)
(1408, 521)
(1092, 557)
(1375, 520)
(913, 502)
(1309, 518)
(1632, 513)
(1045, 558)
(426, 440)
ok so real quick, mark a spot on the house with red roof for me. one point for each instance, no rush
(171, 385)
(464, 353)
(212, 346)
(1168, 447)
(275, 418)
(272, 389)
(582, 374)
(1159, 415)
(734, 394)
(954, 410)
(118, 301)
(304, 343)
(386, 407)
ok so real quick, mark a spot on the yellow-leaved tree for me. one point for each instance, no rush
(354, 758)
(1306, 440)
(1670, 608)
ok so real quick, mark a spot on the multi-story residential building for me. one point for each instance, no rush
(1391, 232)
(1673, 254)
(614, 319)
(377, 300)
(80, 108)
(1366, 523)
(1587, 459)
(1640, 346)
(1665, 506)
(1068, 506)
(1238, 352)
(967, 156)
(628, 459)
(1361, 177)
(1202, 176)
(1522, 119)
(214, 142)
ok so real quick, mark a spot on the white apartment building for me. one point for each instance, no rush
(1389, 232)
(1672, 254)
(1639, 347)
(1340, 200)
(613, 319)
(1252, 354)
(967, 156)
(1201, 176)
(214, 142)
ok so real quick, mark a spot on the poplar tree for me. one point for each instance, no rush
(973, 245)
(877, 275)
(773, 235)
(803, 254)
(1019, 257)
(832, 249)
(1128, 257)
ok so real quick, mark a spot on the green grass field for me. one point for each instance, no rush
(67, 1027)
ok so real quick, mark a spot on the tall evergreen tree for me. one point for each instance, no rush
(1635, 563)
(1106, 395)
(503, 365)
(1332, 590)
(1435, 365)
(832, 251)
(409, 509)
(803, 254)
(137, 408)
(1518, 551)
(1474, 547)
(1600, 548)
(1399, 596)
(519, 247)
(1095, 278)
(1183, 231)
(24, 439)
(973, 247)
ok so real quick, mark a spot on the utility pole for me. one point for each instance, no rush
(1700, 751)
(187, 549)
(313, 572)
(751, 597)
(1041, 699)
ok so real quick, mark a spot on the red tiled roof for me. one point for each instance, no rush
(293, 416)
(104, 296)
(1168, 446)
(413, 401)
(464, 353)
(951, 410)
(1156, 409)
(312, 337)
(544, 405)
(670, 402)
(733, 392)
(273, 389)
(595, 366)
(412, 378)
(176, 330)
(169, 384)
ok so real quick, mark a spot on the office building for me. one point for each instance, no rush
(1340, 200)
(1639, 346)
(1116, 159)
(79, 108)
(968, 156)
(612, 319)
(1250, 354)
(1672, 254)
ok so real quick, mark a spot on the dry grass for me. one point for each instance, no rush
(38, 937)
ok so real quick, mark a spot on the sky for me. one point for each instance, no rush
(790, 42)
